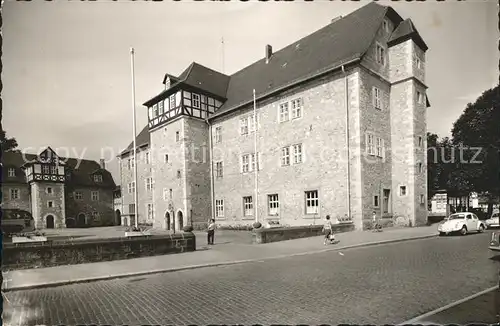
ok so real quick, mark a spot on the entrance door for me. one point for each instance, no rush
(167, 221)
(81, 219)
(118, 217)
(180, 220)
(50, 221)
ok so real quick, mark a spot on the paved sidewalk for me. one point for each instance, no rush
(221, 254)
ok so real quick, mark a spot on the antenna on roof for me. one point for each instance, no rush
(222, 42)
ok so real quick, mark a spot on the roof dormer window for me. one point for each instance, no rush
(167, 83)
(97, 178)
(12, 172)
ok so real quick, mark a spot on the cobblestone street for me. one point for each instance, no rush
(380, 284)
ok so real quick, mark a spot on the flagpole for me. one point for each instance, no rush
(256, 158)
(134, 136)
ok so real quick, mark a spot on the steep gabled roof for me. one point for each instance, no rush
(142, 139)
(404, 31)
(339, 42)
(81, 171)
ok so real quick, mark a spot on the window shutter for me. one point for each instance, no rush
(381, 97)
(259, 161)
(241, 126)
(373, 96)
(241, 163)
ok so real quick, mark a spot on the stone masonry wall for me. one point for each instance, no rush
(23, 202)
(163, 142)
(127, 176)
(320, 130)
(87, 206)
(199, 205)
(41, 208)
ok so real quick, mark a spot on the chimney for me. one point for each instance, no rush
(269, 53)
(336, 18)
(102, 163)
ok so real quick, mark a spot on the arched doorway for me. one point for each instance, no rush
(82, 220)
(167, 221)
(50, 221)
(180, 220)
(118, 217)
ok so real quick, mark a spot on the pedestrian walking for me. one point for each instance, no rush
(327, 230)
(211, 232)
(375, 225)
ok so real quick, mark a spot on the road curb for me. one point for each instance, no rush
(223, 263)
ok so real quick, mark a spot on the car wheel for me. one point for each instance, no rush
(481, 228)
(463, 230)
(441, 234)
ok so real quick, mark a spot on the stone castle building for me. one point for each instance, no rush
(340, 129)
(59, 192)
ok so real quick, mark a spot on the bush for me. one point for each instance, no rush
(187, 228)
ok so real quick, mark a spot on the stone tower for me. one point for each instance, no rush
(408, 123)
(46, 177)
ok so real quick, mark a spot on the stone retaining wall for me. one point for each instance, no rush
(264, 235)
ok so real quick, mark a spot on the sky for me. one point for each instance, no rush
(67, 75)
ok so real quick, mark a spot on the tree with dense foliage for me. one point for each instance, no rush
(477, 131)
(6, 143)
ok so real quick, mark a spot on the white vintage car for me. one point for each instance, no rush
(464, 223)
(493, 221)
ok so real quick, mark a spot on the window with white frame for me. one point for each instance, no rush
(160, 107)
(376, 201)
(377, 98)
(297, 153)
(285, 156)
(402, 190)
(218, 170)
(150, 210)
(273, 204)
(50, 204)
(312, 202)
(245, 163)
(244, 126)
(218, 134)
(78, 195)
(380, 54)
(165, 194)
(155, 110)
(370, 144)
(296, 108)
(422, 199)
(219, 208)
(247, 206)
(252, 122)
(284, 113)
(49, 190)
(45, 169)
(97, 178)
(254, 162)
(14, 193)
(172, 101)
(196, 101)
(12, 172)
(420, 97)
(419, 63)
(95, 195)
(132, 163)
(147, 157)
(380, 147)
(149, 183)
(53, 169)
(131, 187)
